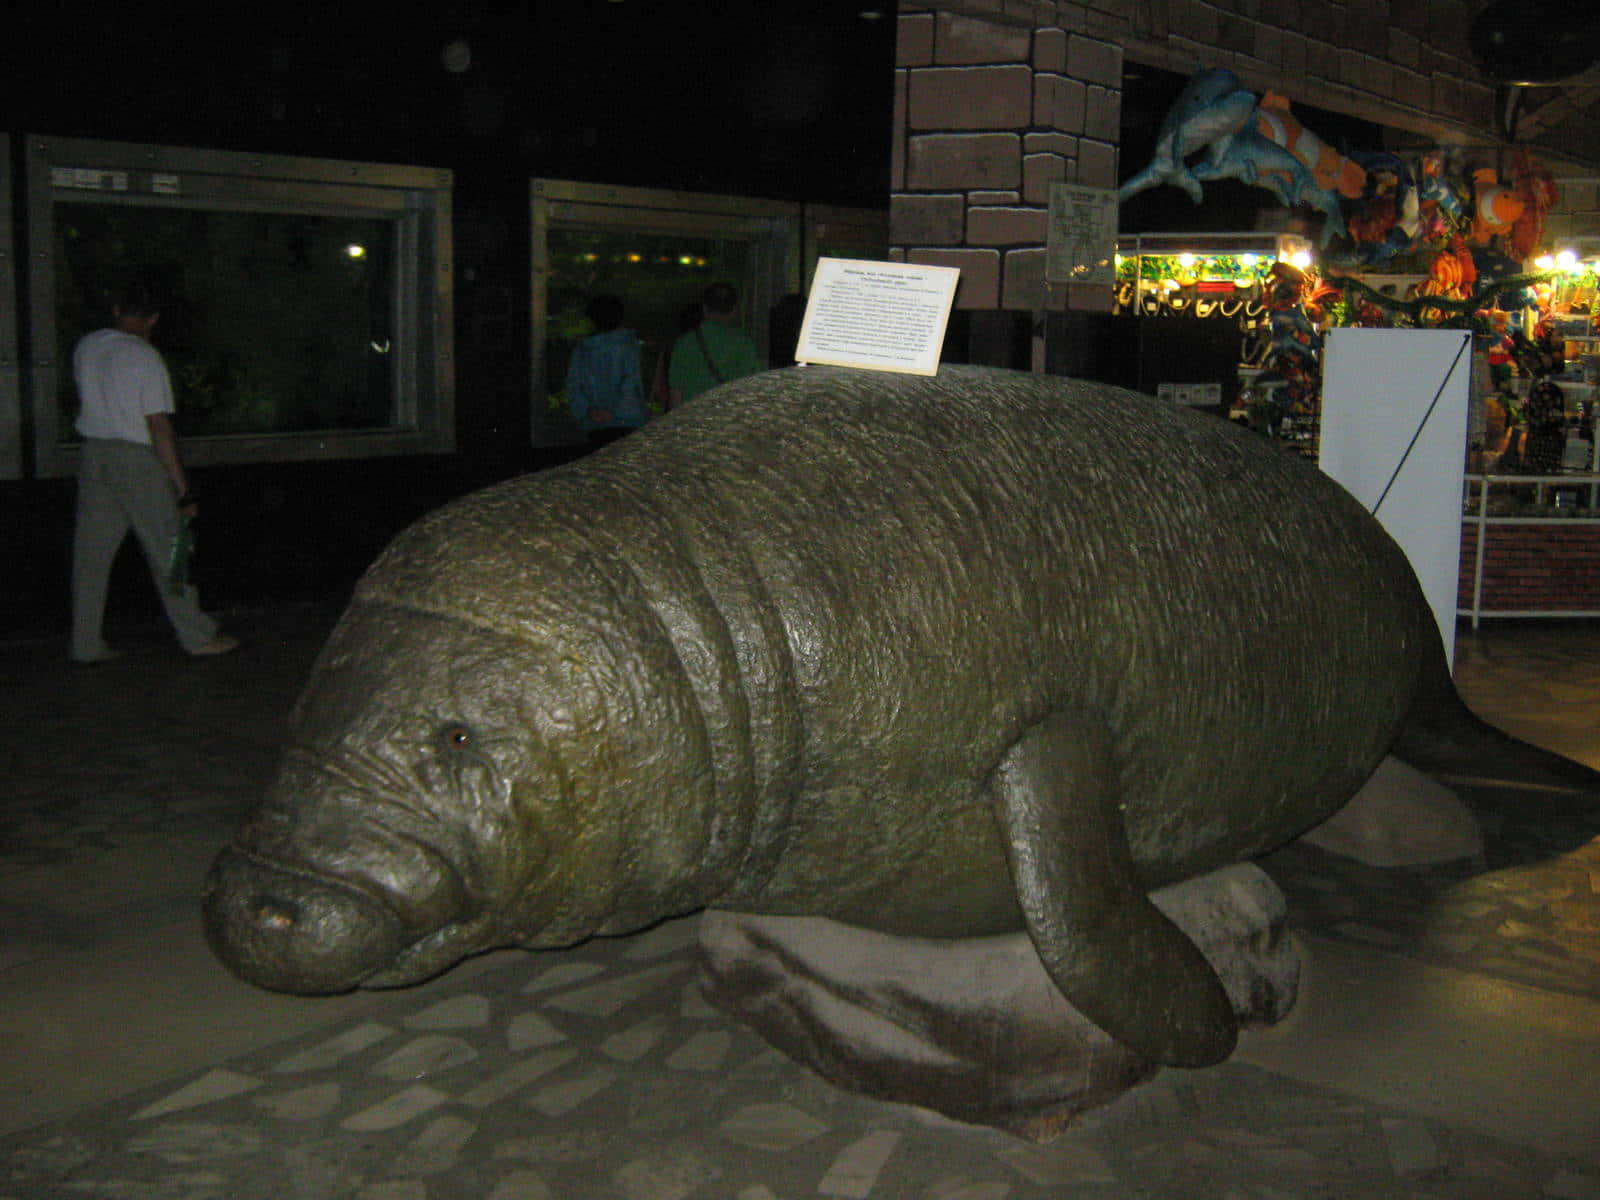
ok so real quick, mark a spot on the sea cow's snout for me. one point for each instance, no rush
(296, 932)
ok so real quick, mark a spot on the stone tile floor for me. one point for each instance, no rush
(599, 1072)
(602, 1074)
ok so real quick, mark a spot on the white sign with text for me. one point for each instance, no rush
(882, 316)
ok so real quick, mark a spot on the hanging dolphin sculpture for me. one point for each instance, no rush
(1211, 108)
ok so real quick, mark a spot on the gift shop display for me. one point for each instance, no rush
(1439, 237)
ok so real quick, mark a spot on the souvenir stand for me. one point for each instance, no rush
(1230, 281)
(1438, 238)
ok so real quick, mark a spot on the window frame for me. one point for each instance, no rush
(10, 365)
(778, 233)
(416, 199)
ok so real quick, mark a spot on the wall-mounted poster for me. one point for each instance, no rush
(882, 316)
(1081, 245)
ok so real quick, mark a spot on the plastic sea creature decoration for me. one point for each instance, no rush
(1269, 149)
(1498, 205)
(1536, 188)
(1383, 204)
(1387, 220)
(1443, 210)
(1211, 108)
(1254, 159)
(1329, 168)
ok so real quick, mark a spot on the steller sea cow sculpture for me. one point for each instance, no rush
(937, 657)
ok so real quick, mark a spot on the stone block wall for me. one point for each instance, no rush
(997, 99)
(987, 116)
(1576, 215)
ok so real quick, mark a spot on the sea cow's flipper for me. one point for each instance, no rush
(1112, 953)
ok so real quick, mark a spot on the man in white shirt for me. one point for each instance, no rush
(130, 476)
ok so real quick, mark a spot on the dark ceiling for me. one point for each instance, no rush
(784, 98)
(777, 98)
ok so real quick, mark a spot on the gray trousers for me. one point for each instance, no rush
(122, 486)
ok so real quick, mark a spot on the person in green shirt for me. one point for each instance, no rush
(715, 351)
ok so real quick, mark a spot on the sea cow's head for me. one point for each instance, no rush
(497, 746)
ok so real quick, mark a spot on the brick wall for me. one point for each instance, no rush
(1576, 214)
(996, 99)
(987, 116)
(1533, 568)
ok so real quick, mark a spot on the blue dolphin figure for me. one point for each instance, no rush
(1211, 108)
(1252, 158)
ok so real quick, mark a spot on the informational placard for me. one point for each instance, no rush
(1203, 395)
(1081, 242)
(882, 316)
(1394, 432)
(89, 179)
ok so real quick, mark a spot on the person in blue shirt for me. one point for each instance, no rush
(605, 391)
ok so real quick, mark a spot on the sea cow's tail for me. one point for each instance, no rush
(1443, 738)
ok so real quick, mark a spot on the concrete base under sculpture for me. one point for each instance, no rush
(1401, 818)
(973, 1028)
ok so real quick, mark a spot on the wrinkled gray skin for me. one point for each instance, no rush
(939, 657)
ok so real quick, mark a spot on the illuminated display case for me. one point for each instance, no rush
(306, 303)
(657, 250)
(1201, 274)
(1197, 310)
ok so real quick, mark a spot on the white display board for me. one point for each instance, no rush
(883, 316)
(1394, 433)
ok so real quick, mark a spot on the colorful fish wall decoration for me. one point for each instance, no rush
(1375, 205)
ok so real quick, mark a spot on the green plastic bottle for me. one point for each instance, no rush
(182, 553)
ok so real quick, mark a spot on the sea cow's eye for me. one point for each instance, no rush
(455, 738)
